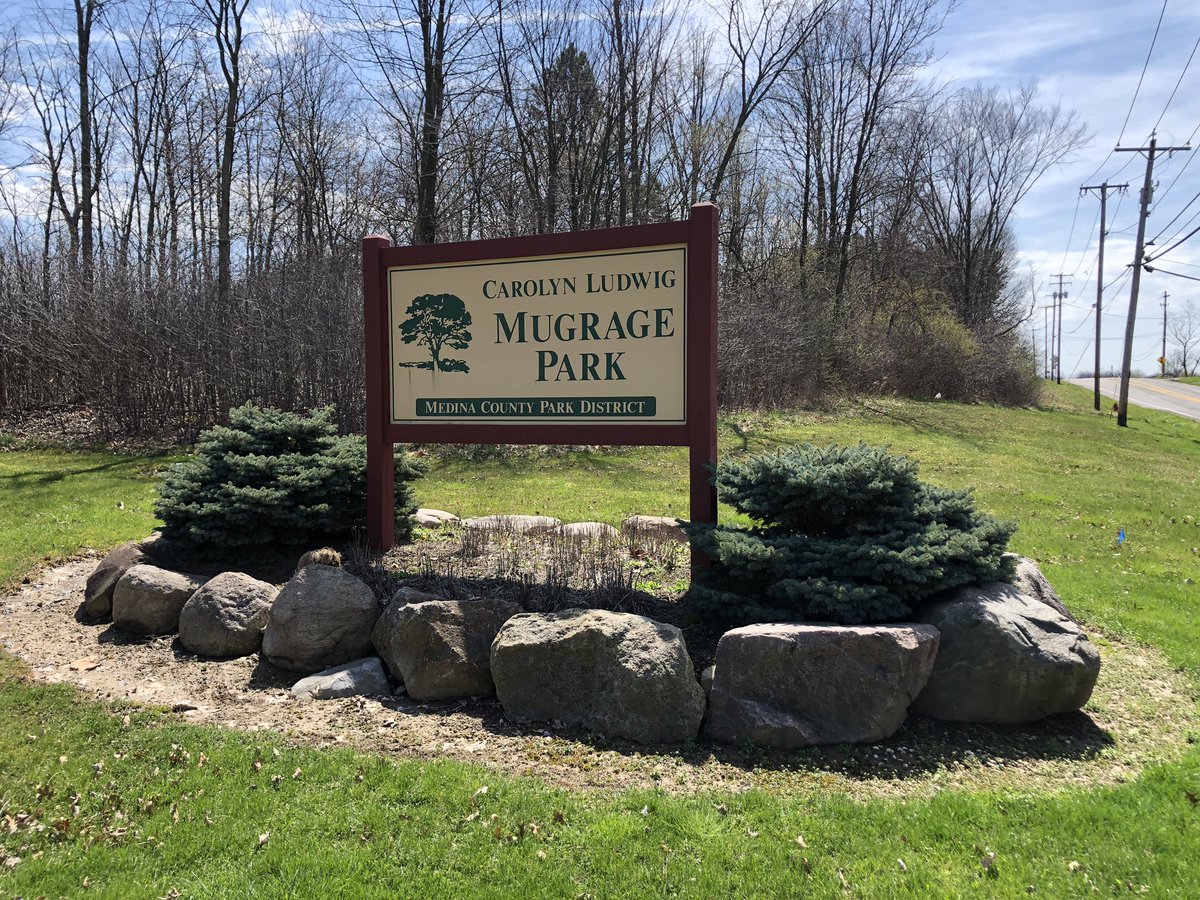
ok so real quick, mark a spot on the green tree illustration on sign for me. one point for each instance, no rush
(437, 321)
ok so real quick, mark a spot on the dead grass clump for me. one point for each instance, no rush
(543, 572)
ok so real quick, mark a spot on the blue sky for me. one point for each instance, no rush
(1088, 55)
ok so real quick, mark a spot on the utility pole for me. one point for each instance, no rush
(1103, 189)
(1162, 360)
(1059, 296)
(1138, 254)
(1047, 372)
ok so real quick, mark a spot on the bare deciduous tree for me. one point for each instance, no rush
(1184, 330)
(765, 37)
(855, 78)
(183, 186)
(989, 148)
(225, 17)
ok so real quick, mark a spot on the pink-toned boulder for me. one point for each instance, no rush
(433, 518)
(589, 531)
(518, 524)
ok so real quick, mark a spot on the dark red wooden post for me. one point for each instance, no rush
(699, 432)
(702, 364)
(381, 500)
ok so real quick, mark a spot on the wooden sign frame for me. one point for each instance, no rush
(698, 432)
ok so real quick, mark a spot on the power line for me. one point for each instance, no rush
(1146, 356)
(1123, 275)
(1145, 66)
(1095, 222)
(1150, 335)
(1176, 274)
(1115, 174)
(1082, 322)
(1187, 224)
(1154, 240)
(1120, 199)
(1186, 65)
(1187, 162)
(1071, 233)
(1075, 368)
(1129, 112)
(1178, 242)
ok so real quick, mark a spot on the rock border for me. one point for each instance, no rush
(437, 649)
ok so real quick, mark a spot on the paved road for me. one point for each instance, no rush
(1153, 393)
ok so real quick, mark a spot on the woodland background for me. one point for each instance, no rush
(184, 185)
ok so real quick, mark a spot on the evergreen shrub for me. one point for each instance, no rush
(842, 534)
(271, 476)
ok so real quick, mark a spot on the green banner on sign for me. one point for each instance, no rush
(535, 407)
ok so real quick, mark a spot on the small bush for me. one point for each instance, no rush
(274, 477)
(845, 534)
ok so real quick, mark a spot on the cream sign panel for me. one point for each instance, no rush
(573, 338)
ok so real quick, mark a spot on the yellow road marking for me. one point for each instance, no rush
(1163, 390)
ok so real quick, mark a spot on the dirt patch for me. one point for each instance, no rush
(1142, 712)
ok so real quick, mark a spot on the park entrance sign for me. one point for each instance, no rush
(586, 337)
(593, 337)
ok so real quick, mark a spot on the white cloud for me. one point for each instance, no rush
(1088, 56)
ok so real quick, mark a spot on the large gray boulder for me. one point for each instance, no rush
(617, 674)
(517, 524)
(589, 531)
(385, 626)
(148, 600)
(798, 685)
(321, 618)
(226, 617)
(1030, 581)
(98, 592)
(439, 649)
(362, 677)
(433, 518)
(1005, 659)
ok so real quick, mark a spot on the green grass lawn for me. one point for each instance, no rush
(1187, 379)
(54, 503)
(179, 807)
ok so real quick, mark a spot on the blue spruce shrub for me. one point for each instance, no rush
(271, 476)
(843, 534)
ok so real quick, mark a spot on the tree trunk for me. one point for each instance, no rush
(85, 11)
